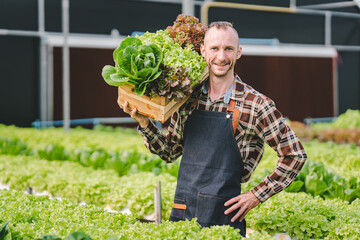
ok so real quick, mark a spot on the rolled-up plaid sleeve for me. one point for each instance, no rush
(271, 126)
(168, 147)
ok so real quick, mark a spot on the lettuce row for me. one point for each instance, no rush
(119, 139)
(31, 217)
(315, 179)
(100, 137)
(349, 119)
(135, 63)
(38, 217)
(123, 161)
(305, 217)
(103, 188)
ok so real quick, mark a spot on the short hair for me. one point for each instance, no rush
(222, 25)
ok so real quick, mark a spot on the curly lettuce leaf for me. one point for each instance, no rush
(175, 55)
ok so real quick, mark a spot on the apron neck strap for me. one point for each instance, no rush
(236, 113)
(231, 106)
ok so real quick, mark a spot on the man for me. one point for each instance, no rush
(220, 133)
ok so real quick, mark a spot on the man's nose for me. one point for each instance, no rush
(221, 55)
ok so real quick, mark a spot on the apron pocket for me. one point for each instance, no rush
(210, 210)
(178, 210)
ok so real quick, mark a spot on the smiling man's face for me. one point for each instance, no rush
(221, 50)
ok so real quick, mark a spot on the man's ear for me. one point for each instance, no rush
(238, 54)
(202, 50)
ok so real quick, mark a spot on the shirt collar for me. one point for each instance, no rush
(235, 92)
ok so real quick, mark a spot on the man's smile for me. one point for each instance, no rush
(221, 64)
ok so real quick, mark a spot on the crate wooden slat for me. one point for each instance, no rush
(157, 108)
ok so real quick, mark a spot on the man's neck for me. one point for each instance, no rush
(219, 86)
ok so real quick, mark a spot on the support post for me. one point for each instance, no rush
(292, 4)
(43, 61)
(327, 28)
(188, 7)
(157, 195)
(66, 65)
(50, 82)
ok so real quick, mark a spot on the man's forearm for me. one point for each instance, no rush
(165, 146)
(285, 172)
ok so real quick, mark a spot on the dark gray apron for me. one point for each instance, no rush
(210, 171)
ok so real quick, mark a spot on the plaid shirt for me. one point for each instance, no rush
(259, 122)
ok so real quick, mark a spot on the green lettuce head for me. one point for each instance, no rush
(135, 63)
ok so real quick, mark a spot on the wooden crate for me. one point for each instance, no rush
(157, 108)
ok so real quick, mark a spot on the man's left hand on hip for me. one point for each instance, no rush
(244, 202)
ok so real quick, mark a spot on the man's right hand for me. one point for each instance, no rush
(142, 120)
